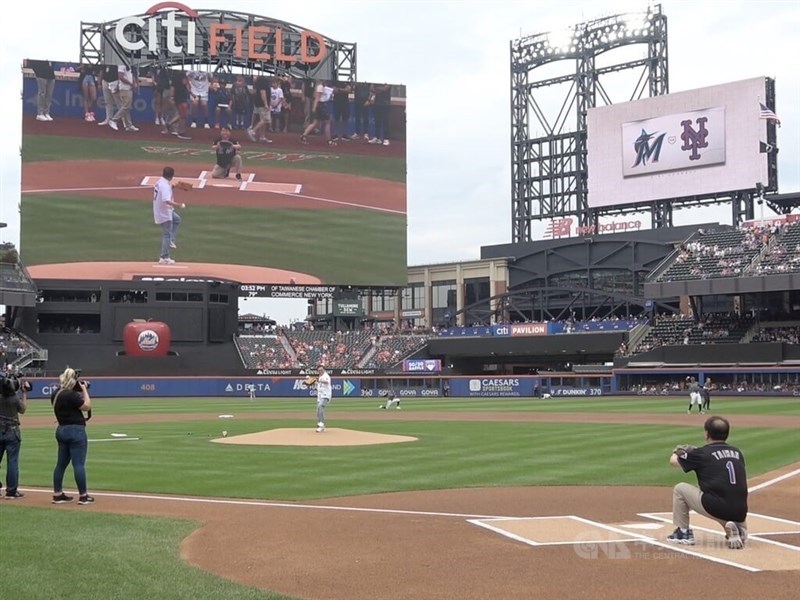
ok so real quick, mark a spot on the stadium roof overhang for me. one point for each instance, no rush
(723, 286)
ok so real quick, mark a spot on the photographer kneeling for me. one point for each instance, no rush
(11, 406)
(68, 403)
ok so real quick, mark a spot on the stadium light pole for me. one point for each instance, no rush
(549, 172)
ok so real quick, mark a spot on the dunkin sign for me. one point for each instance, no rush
(176, 25)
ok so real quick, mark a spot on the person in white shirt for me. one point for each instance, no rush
(164, 214)
(324, 393)
(322, 114)
(275, 104)
(199, 83)
(123, 97)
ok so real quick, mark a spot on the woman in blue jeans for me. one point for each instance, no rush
(68, 402)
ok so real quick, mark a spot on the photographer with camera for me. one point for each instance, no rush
(12, 404)
(70, 402)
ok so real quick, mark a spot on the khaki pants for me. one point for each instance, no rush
(686, 497)
(124, 99)
(221, 173)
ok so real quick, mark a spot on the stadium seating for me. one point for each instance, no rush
(676, 330)
(722, 253)
(263, 352)
(783, 253)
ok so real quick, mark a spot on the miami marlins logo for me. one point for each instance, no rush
(645, 150)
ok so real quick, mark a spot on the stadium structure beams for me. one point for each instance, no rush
(556, 304)
(99, 45)
(549, 173)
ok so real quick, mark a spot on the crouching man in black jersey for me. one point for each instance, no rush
(722, 491)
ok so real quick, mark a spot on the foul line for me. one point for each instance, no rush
(86, 189)
(283, 505)
(341, 203)
(761, 486)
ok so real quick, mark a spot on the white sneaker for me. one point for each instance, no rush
(173, 246)
(194, 125)
(732, 536)
(375, 141)
(113, 124)
(48, 117)
(206, 126)
(103, 123)
(354, 136)
(158, 121)
(319, 429)
(132, 128)
(41, 118)
(385, 142)
(251, 133)
(366, 136)
(166, 261)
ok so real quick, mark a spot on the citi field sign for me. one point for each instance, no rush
(166, 25)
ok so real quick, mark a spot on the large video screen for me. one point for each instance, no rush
(701, 141)
(306, 186)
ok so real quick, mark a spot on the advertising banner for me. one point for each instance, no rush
(422, 366)
(284, 387)
(576, 392)
(489, 387)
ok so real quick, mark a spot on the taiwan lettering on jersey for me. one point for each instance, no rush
(721, 476)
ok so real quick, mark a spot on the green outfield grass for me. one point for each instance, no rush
(178, 457)
(488, 453)
(359, 246)
(39, 148)
(71, 554)
(605, 404)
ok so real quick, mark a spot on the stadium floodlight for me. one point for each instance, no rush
(549, 172)
(562, 40)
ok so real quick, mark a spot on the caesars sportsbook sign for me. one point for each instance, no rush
(174, 29)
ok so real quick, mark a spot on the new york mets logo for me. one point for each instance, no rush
(692, 140)
(645, 150)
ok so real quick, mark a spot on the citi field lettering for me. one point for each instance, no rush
(243, 42)
(168, 22)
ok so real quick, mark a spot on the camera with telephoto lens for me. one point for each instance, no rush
(86, 382)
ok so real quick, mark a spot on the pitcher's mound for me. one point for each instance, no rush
(309, 437)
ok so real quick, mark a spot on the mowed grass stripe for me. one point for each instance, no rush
(44, 148)
(608, 404)
(180, 458)
(358, 245)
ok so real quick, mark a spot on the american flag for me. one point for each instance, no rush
(768, 114)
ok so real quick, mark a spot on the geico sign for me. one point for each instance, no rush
(218, 33)
(610, 227)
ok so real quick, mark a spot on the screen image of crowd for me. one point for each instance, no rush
(187, 100)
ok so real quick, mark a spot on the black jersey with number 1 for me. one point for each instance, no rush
(721, 477)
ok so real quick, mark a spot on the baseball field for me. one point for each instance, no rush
(313, 213)
(495, 498)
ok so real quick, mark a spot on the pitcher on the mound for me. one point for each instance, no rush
(324, 393)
